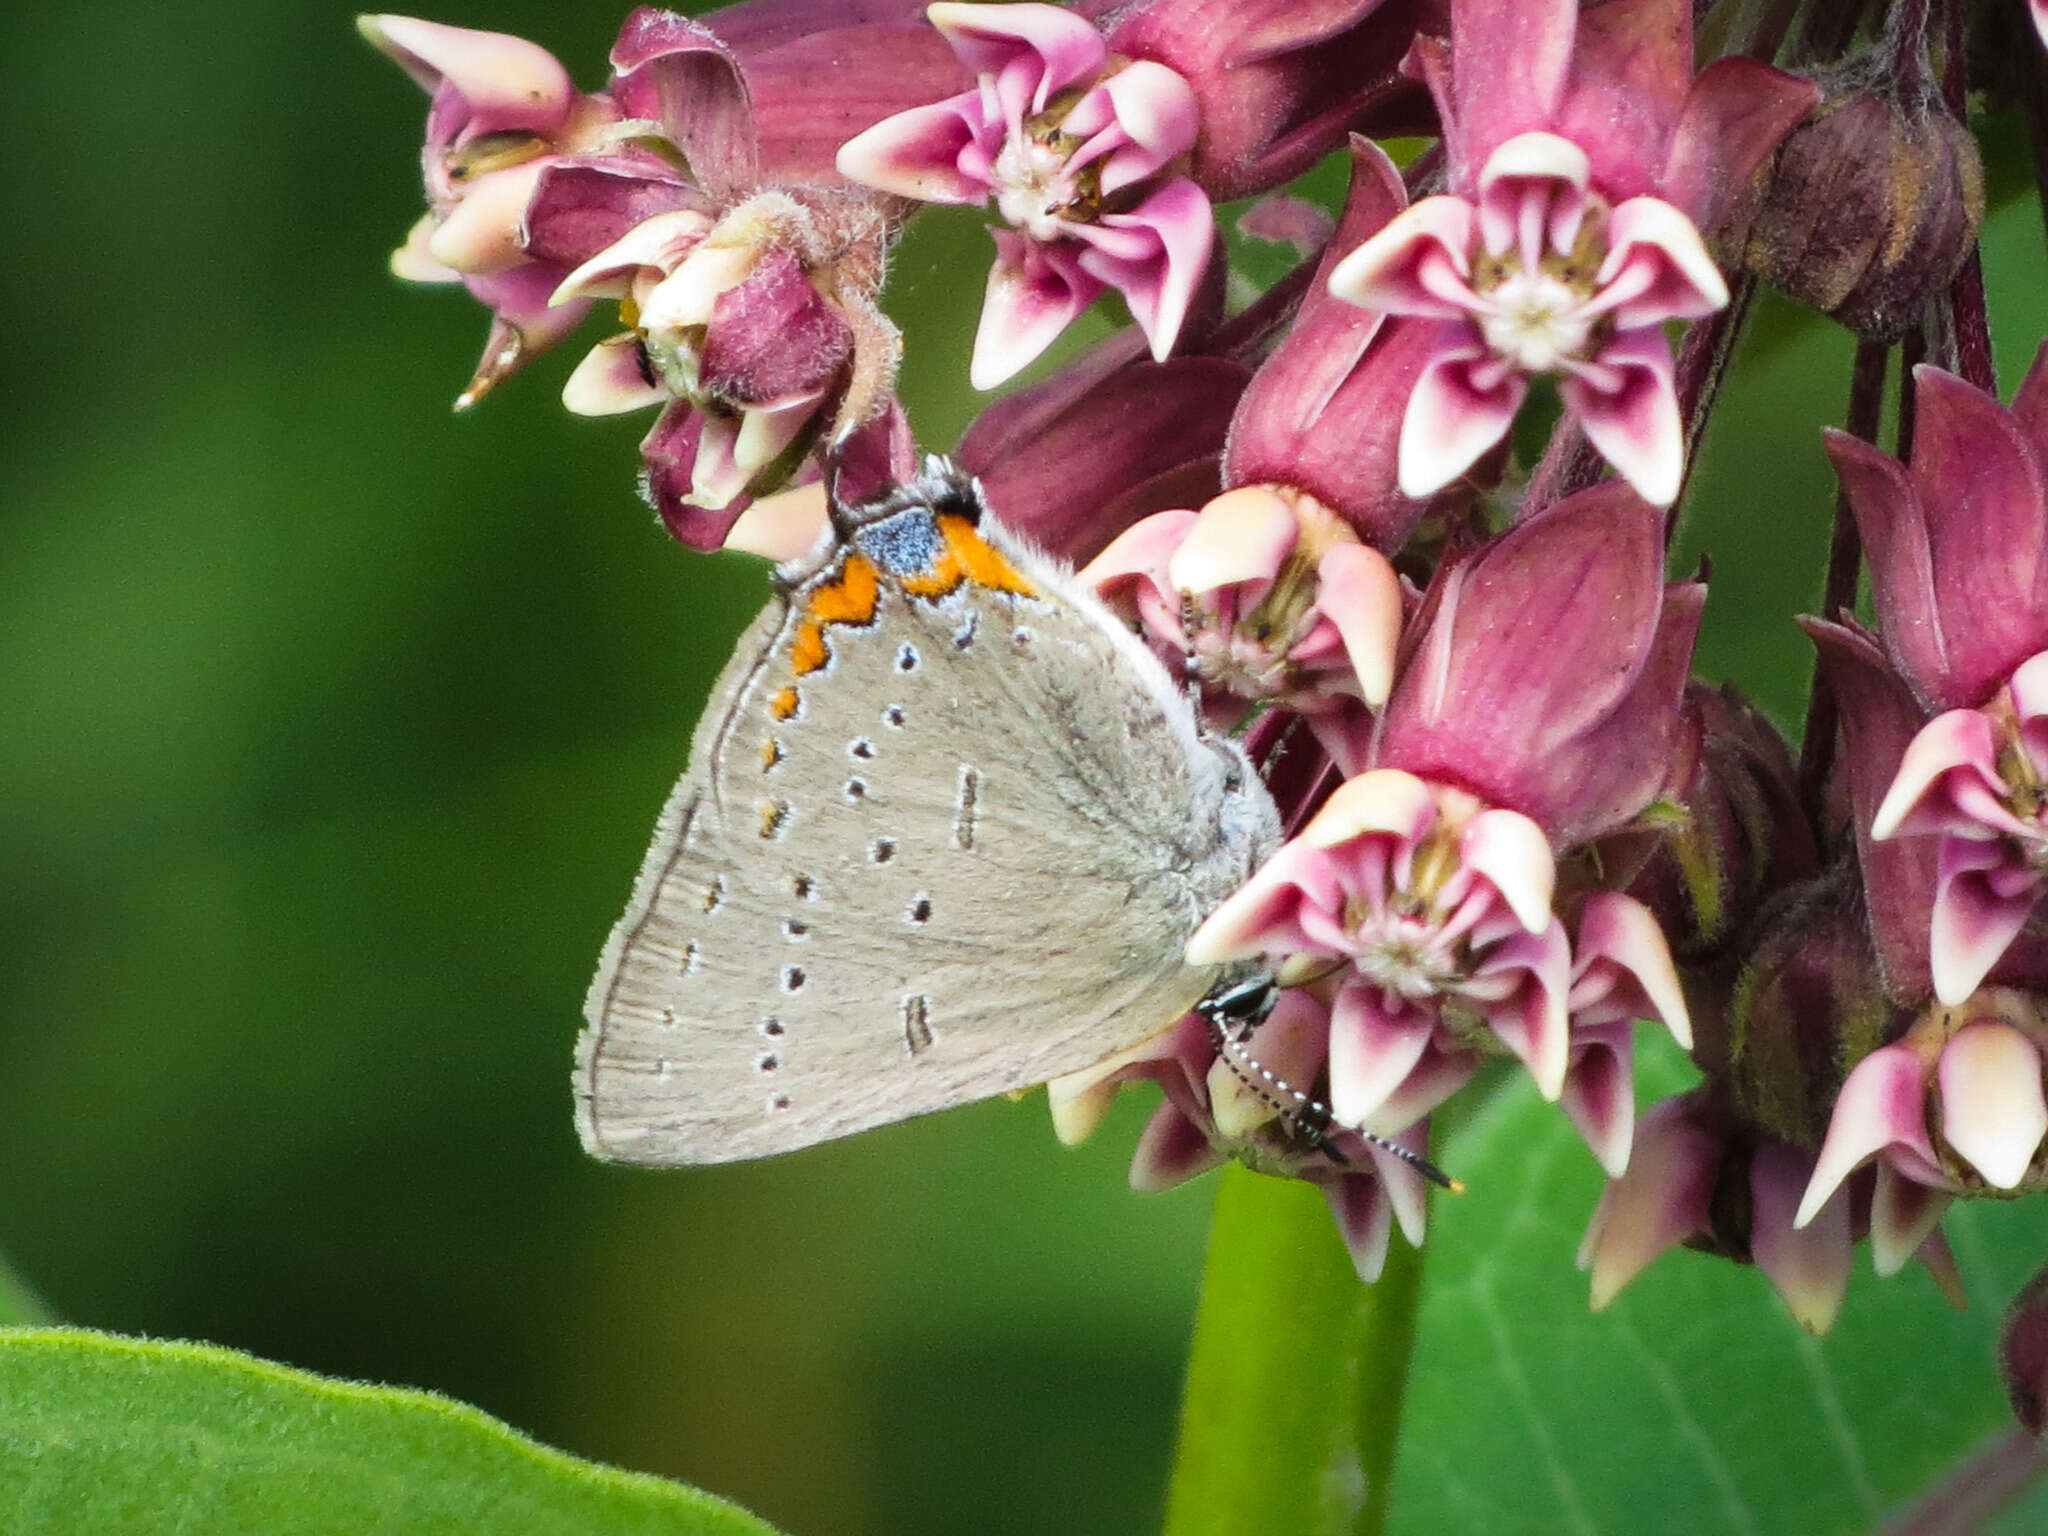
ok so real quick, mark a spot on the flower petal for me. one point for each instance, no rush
(1416, 264)
(922, 153)
(1662, 1199)
(1155, 256)
(1463, 403)
(506, 82)
(1361, 593)
(1628, 406)
(1903, 1214)
(1882, 1104)
(1514, 856)
(1983, 897)
(1656, 256)
(611, 380)
(1034, 293)
(1809, 1260)
(1375, 1042)
(1242, 536)
(1992, 1108)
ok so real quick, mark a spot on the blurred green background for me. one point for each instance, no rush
(335, 728)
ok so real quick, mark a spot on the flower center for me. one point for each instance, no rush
(1033, 187)
(1536, 321)
(1408, 957)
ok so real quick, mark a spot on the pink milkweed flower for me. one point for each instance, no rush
(738, 329)
(1955, 1106)
(1219, 1105)
(1080, 154)
(1584, 161)
(1702, 1178)
(1958, 549)
(503, 111)
(1266, 596)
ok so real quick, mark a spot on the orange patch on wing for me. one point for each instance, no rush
(849, 600)
(968, 557)
(771, 753)
(784, 704)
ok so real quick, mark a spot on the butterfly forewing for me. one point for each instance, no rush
(931, 847)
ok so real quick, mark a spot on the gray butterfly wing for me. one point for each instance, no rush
(968, 862)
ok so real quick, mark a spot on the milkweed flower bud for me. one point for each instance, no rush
(1872, 205)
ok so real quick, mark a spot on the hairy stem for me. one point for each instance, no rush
(1293, 1402)
(1845, 559)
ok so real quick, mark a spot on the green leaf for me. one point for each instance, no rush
(1294, 1387)
(1694, 1402)
(110, 1435)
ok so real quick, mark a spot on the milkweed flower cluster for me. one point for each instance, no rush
(1519, 828)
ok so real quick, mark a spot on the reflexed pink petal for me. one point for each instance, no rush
(1656, 256)
(1375, 1042)
(1435, 1078)
(1630, 68)
(2040, 10)
(918, 153)
(1171, 1150)
(1154, 256)
(1599, 1093)
(506, 82)
(1044, 45)
(1628, 406)
(1242, 536)
(1034, 293)
(522, 324)
(766, 431)
(480, 234)
(1622, 952)
(1882, 1104)
(1894, 529)
(611, 380)
(1361, 594)
(782, 527)
(1417, 264)
(1407, 1190)
(1808, 1261)
(1939, 1261)
(1977, 914)
(2029, 691)
(1463, 403)
(1079, 1100)
(1662, 1199)
(1960, 741)
(1903, 1214)
(1511, 852)
(1992, 1109)
(1531, 1021)
(1365, 1220)
(669, 456)
(1292, 904)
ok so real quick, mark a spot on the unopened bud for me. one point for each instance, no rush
(1872, 205)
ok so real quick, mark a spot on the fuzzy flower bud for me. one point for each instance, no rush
(1873, 204)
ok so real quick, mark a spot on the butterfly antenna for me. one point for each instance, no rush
(1310, 1114)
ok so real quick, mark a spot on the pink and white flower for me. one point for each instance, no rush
(1956, 1105)
(1264, 595)
(1958, 548)
(503, 111)
(1584, 161)
(1079, 153)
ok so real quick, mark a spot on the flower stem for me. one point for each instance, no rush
(1845, 559)
(1293, 1404)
